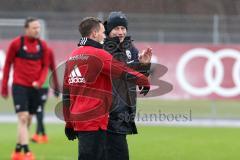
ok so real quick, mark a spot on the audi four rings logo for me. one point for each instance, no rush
(213, 81)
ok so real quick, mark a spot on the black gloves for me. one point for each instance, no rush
(144, 86)
(144, 90)
(70, 133)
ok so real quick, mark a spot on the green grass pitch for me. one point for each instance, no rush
(152, 143)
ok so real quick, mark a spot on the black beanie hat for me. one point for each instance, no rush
(115, 19)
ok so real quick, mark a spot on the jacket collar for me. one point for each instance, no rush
(84, 41)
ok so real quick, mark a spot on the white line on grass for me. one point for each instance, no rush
(7, 118)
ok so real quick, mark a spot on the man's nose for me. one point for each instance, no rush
(120, 32)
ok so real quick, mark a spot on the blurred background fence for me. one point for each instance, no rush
(143, 27)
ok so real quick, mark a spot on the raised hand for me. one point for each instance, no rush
(145, 56)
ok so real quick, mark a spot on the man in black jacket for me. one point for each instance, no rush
(121, 120)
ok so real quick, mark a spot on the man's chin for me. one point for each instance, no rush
(36, 37)
(121, 39)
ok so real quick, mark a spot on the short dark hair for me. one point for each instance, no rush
(87, 25)
(29, 20)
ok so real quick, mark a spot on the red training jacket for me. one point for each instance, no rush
(87, 80)
(25, 71)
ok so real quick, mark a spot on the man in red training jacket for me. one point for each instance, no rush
(29, 57)
(87, 91)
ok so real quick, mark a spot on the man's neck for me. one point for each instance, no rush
(92, 38)
(30, 38)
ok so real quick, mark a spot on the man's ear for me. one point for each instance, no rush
(94, 33)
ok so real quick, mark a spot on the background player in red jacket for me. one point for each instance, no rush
(40, 136)
(28, 55)
(87, 95)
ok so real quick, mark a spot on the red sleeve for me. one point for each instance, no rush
(45, 65)
(52, 67)
(66, 98)
(117, 69)
(11, 53)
